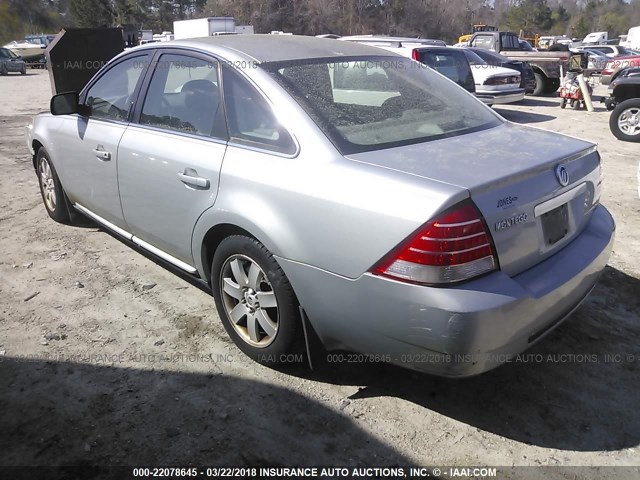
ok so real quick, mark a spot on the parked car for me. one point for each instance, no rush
(494, 85)
(625, 101)
(546, 65)
(306, 178)
(447, 61)
(528, 79)
(597, 61)
(10, 62)
(610, 51)
(612, 100)
(615, 65)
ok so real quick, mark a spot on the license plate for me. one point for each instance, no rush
(555, 224)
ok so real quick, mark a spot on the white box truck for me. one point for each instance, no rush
(203, 27)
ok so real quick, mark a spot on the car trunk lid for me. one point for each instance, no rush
(535, 189)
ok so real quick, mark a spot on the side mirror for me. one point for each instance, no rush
(67, 104)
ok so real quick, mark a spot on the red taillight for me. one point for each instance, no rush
(452, 247)
(415, 54)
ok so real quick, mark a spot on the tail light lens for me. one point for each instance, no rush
(454, 246)
(415, 54)
(506, 80)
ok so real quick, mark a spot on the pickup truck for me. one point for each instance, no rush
(546, 65)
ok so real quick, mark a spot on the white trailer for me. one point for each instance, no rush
(633, 38)
(203, 27)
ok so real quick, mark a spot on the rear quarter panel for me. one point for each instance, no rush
(319, 208)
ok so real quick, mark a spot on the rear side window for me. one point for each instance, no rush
(184, 95)
(250, 118)
(510, 42)
(111, 95)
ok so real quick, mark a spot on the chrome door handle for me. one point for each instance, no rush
(102, 154)
(190, 177)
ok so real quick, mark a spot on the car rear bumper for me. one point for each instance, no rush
(492, 98)
(605, 79)
(454, 331)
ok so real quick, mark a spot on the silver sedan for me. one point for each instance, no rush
(305, 178)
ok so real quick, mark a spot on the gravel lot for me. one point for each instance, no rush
(96, 369)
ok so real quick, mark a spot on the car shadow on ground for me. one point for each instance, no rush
(575, 390)
(70, 413)
(517, 116)
(538, 102)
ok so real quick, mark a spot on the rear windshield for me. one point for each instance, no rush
(492, 58)
(451, 63)
(372, 103)
(473, 57)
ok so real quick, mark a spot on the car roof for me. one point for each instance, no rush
(275, 48)
(387, 39)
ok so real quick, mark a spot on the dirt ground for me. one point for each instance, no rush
(97, 370)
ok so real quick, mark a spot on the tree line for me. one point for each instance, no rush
(445, 19)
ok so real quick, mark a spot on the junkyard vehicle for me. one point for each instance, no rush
(528, 79)
(627, 89)
(625, 101)
(546, 65)
(447, 61)
(494, 84)
(10, 62)
(299, 177)
(610, 51)
(614, 66)
(476, 28)
(544, 42)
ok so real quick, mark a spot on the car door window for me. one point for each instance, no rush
(251, 120)
(111, 95)
(184, 95)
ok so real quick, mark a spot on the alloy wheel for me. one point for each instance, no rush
(48, 184)
(249, 301)
(629, 121)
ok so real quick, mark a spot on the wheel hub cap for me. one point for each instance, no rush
(629, 121)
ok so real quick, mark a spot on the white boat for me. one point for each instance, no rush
(31, 48)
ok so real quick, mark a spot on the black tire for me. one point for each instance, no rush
(287, 339)
(3, 69)
(552, 85)
(541, 82)
(563, 103)
(51, 184)
(23, 71)
(623, 108)
(575, 104)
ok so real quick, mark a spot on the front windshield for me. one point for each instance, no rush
(473, 57)
(6, 53)
(372, 103)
